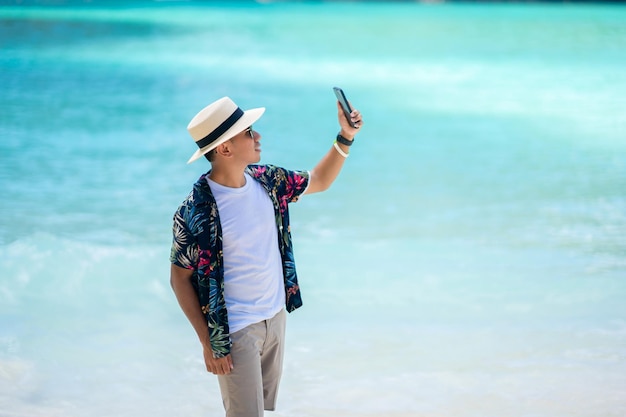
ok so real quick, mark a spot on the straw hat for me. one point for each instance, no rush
(218, 122)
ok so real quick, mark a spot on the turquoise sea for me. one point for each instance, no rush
(470, 261)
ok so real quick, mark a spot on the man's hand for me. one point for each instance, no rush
(217, 366)
(347, 131)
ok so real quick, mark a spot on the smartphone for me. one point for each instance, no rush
(344, 104)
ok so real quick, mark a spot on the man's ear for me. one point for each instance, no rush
(224, 149)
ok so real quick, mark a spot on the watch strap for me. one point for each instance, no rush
(344, 141)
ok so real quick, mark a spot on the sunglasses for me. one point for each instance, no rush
(250, 132)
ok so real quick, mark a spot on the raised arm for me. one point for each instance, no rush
(328, 168)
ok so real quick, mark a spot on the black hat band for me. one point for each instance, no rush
(221, 129)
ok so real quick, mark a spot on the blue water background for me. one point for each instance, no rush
(469, 261)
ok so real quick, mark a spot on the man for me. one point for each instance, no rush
(233, 269)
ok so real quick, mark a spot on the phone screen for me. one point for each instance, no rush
(344, 104)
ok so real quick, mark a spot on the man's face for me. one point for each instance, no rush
(247, 146)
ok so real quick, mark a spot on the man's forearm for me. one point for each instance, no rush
(328, 168)
(188, 301)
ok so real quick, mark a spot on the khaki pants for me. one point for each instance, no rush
(257, 354)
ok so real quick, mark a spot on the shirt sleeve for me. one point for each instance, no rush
(184, 252)
(296, 183)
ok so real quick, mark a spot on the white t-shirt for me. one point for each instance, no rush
(253, 276)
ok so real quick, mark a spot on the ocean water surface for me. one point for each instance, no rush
(470, 261)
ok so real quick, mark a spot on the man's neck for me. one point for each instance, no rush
(232, 177)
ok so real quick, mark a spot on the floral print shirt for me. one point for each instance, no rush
(197, 245)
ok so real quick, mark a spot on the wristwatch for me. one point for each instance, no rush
(343, 140)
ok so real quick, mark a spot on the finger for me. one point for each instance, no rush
(213, 366)
(224, 368)
(209, 365)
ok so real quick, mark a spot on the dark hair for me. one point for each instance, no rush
(210, 156)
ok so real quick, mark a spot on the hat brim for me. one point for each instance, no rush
(248, 118)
